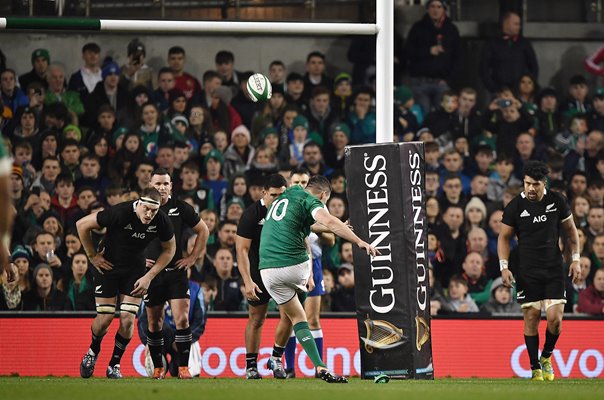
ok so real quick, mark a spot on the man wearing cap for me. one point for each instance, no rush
(342, 90)
(240, 153)
(405, 121)
(295, 91)
(334, 148)
(506, 58)
(214, 179)
(85, 79)
(109, 91)
(136, 72)
(292, 154)
(315, 73)
(40, 59)
(120, 274)
(57, 93)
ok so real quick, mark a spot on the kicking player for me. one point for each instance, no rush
(120, 268)
(312, 305)
(248, 244)
(535, 216)
(284, 261)
(172, 283)
(5, 213)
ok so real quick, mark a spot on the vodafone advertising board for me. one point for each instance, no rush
(461, 348)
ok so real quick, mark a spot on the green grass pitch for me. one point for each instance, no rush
(51, 388)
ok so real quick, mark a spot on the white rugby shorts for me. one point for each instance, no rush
(284, 283)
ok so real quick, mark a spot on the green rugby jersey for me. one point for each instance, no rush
(286, 226)
(6, 161)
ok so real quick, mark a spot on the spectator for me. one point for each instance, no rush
(453, 242)
(77, 285)
(506, 58)
(573, 290)
(596, 116)
(320, 115)
(12, 96)
(572, 138)
(342, 297)
(586, 155)
(526, 150)
(405, 121)
(433, 211)
(263, 164)
(294, 94)
(597, 252)
(501, 301)
(10, 295)
(136, 72)
(474, 272)
(85, 79)
(315, 74)
(336, 145)
(595, 188)
(21, 258)
(165, 83)
(341, 95)
(526, 90)
(40, 59)
(475, 214)
(228, 296)
(502, 178)
(481, 163)
(292, 155)
(432, 154)
(221, 117)
(239, 155)
(441, 121)
(276, 74)
(90, 168)
(437, 295)
(452, 165)
(578, 101)
(109, 91)
(269, 116)
(458, 300)
(43, 296)
(183, 80)
(225, 66)
(51, 167)
(434, 53)
(57, 93)
(313, 160)
(468, 118)
(214, 180)
(191, 187)
(362, 118)
(591, 300)
(478, 242)
(17, 187)
(549, 119)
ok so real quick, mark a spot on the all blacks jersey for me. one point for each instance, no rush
(127, 237)
(537, 225)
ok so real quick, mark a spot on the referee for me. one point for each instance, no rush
(535, 217)
(172, 284)
(248, 257)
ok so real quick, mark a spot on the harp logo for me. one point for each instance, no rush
(382, 335)
(422, 331)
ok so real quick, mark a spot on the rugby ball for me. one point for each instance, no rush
(259, 88)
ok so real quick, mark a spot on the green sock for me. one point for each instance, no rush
(308, 343)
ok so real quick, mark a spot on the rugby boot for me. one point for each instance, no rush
(537, 375)
(159, 373)
(252, 373)
(275, 365)
(330, 377)
(548, 370)
(87, 365)
(183, 373)
(114, 372)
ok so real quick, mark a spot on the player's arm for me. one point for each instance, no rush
(342, 230)
(167, 254)
(202, 231)
(573, 239)
(311, 280)
(503, 252)
(5, 225)
(85, 226)
(243, 246)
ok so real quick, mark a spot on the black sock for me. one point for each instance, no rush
(95, 344)
(532, 347)
(118, 349)
(251, 360)
(155, 340)
(278, 351)
(183, 345)
(550, 343)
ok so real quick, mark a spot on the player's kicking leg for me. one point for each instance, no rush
(105, 310)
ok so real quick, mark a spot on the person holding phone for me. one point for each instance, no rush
(136, 72)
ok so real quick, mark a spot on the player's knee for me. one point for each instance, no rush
(181, 321)
(105, 312)
(313, 321)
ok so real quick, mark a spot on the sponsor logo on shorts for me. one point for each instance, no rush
(525, 214)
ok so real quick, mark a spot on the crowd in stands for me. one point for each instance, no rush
(89, 139)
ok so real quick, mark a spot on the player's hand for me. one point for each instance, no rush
(575, 271)
(100, 263)
(369, 248)
(507, 278)
(186, 263)
(251, 289)
(12, 273)
(310, 285)
(141, 286)
(149, 263)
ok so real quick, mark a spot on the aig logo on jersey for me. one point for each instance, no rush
(539, 218)
(138, 235)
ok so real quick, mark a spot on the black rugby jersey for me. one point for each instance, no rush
(181, 215)
(537, 225)
(127, 237)
(250, 227)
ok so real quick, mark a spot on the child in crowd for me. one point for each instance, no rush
(458, 300)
